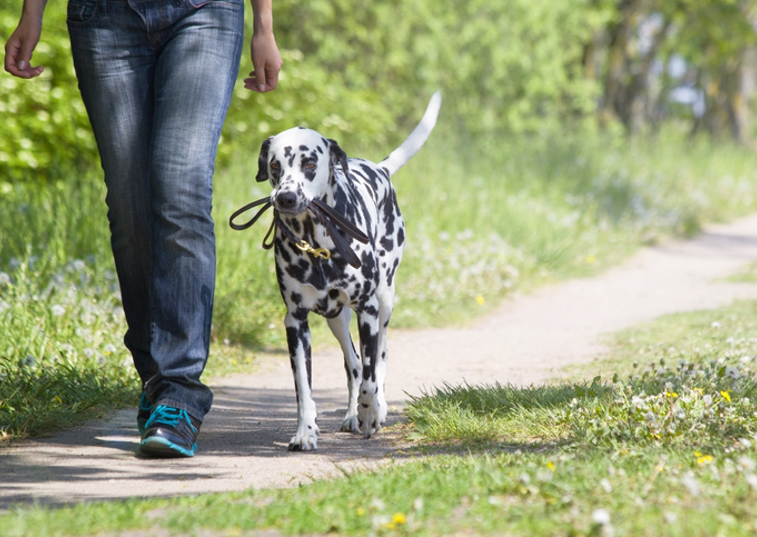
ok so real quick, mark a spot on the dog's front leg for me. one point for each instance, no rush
(298, 340)
(340, 327)
(372, 409)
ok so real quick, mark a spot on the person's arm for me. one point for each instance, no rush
(266, 59)
(23, 41)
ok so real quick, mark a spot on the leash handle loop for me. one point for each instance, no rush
(266, 202)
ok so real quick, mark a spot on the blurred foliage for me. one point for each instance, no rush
(43, 122)
(363, 72)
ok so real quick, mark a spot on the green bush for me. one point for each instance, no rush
(44, 124)
(361, 72)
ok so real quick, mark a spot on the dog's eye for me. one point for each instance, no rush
(309, 164)
(275, 165)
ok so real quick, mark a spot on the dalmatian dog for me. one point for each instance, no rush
(338, 242)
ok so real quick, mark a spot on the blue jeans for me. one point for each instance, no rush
(156, 77)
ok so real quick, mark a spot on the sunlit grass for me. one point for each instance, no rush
(484, 218)
(544, 460)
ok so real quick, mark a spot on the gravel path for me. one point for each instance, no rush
(243, 441)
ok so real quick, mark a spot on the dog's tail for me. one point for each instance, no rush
(417, 138)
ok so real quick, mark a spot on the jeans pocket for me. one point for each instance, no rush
(219, 3)
(81, 11)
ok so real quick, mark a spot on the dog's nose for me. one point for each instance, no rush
(286, 200)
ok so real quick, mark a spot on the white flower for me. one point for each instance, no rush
(605, 484)
(601, 517)
(78, 265)
(58, 310)
(691, 484)
(4, 279)
(751, 480)
(715, 324)
(732, 372)
(746, 464)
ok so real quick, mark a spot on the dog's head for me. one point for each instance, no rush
(299, 163)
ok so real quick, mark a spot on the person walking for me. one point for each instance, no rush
(156, 78)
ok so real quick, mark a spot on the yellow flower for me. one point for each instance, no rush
(360, 511)
(726, 395)
(480, 299)
(551, 466)
(703, 459)
(591, 259)
(397, 520)
(671, 394)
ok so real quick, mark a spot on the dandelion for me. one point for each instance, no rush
(732, 372)
(726, 395)
(703, 459)
(4, 279)
(480, 300)
(606, 486)
(78, 265)
(715, 324)
(58, 310)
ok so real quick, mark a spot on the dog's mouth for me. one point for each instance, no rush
(288, 203)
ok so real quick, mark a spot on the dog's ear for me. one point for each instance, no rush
(338, 156)
(262, 174)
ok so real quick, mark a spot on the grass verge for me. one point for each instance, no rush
(666, 446)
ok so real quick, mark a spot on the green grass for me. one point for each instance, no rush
(484, 218)
(580, 458)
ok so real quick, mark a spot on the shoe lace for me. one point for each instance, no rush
(167, 415)
(144, 403)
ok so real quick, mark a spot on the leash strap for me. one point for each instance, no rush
(326, 215)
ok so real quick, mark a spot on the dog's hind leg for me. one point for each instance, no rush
(371, 408)
(340, 327)
(298, 340)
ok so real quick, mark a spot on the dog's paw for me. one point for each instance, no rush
(350, 424)
(306, 439)
(371, 409)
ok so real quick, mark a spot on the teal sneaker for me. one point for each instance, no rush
(170, 432)
(144, 412)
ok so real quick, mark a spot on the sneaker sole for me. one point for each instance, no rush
(160, 447)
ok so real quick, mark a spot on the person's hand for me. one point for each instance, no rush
(21, 45)
(267, 62)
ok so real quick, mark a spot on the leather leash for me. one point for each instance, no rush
(329, 217)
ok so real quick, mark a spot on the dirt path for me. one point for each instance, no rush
(243, 441)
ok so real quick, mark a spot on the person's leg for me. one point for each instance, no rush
(157, 78)
(195, 71)
(115, 66)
